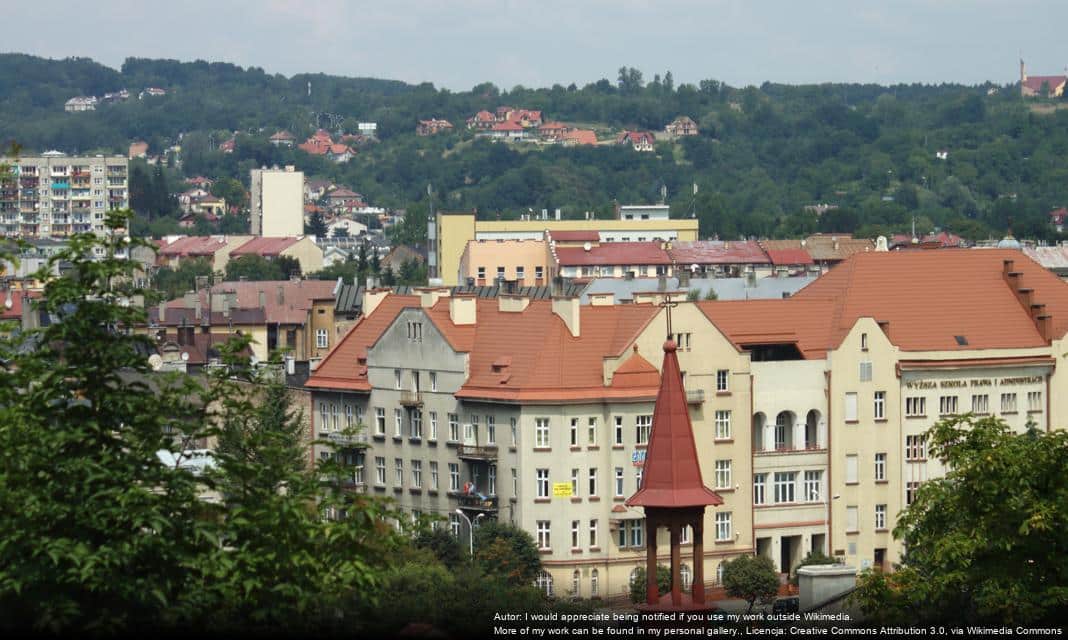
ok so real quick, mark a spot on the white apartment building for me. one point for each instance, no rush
(276, 202)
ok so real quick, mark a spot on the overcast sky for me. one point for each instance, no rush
(459, 43)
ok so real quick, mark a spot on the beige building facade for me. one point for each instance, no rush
(276, 202)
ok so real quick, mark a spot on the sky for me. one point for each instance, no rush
(457, 44)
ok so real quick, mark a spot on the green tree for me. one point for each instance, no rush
(985, 542)
(814, 557)
(254, 267)
(445, 546)
(507, 551)
(230, 190)
(316, 226)
(638, 586)
(172, 283)
(751, 578)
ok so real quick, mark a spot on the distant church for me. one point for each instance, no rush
(1033, 85)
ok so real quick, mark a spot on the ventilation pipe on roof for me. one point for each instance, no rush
(162, 312)
(567, 307)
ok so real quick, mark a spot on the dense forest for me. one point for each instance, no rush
(762, 155)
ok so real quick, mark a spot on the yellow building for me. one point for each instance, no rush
(449, 233)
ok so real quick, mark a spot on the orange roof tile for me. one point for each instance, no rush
(265, 246)
(636, 372)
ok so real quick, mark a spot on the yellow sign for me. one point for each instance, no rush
(562, 489)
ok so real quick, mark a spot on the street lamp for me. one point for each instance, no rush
(471, 528)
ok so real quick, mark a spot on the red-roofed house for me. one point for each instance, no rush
(1056, 218)
(681, 126)
(302, 249)
(727, 258)
(481, 120)
(215, 249)
(610, 259)
(1041, 86)
(553, 131)
(640, 140)
(508, 130)
(282, 139)
(580, 137)
(432, 127)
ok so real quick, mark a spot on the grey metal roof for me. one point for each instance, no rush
(725, 288)
(350, 297)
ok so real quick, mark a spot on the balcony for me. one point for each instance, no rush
(411, 398)
(473, 452)
(695, 396)
(477, 503)
(342, 440)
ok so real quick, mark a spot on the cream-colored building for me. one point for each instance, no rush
(487, 261)
(449, 232)
(276, 202)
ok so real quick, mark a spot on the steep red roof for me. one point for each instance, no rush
(192, 246)
(265, 246)
(614, 253)
(508, 125)
(789, 256)
(1035, 82)
(717, 252)
(672, 473)
(636, 372)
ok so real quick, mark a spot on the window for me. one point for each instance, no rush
(594, 583)
(723, 525)
(454, 427)
(482, 273)
(1034, 401)
(515, 431)
(576, 526)
(398, 477)
(851, 407)
(500, 273)
(880, 517)
(471, 430)
(454, 476)
(574, 482)
(593, 533)
(619, 482)
(574, 432)
(916, 447)
(681, 339)
(638, 478)
(417, 423)
(415, 331)
(643, 425)
(879, 405)
(852, 523)
(851, 469)
(545, 583)
(722, 380)
(434, 476)
(723, 474)
(880, 467)
(723, 424)
(576, 576)
(759, 486)
(380, 470)
(619, 431)
(348, 416)
(398, 422)
(539, 272)
(813, 486)
(947, 405)
(515, 484)
(781, 429)
(910, 491)
(637, 533)
(543, 483)
(519, 273)
(981, 403)
(784, 486)
(433, 425)
(915, 406)
(454, 524)
(591, 432)
(544, 530)
(541, 432)
(863, 342)
(684, 535)
(865, 371)
(493, 479)
(433, 380)
(491, 430)
(593, 482)
(380, 421)
(322, 339)
(396, 378)
(417, 473)
(1008, 403)
(324, 418)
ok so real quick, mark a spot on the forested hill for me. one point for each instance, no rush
(762, 155)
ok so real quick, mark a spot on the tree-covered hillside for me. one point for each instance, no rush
(762, 155)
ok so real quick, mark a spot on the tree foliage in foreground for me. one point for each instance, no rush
(986, 542)
(751, 578)
(638, 586)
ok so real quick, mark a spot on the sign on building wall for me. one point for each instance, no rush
(562, 489)
(638, 458)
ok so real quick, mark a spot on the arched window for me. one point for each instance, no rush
(719, 572)
(575, 586)
(594, 584)
(545, 583)
(758, 431)
(687, 577)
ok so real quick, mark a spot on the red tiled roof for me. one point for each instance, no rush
(717, 252)
(297, 298)
(636, 137)
(282, 135)
(789, 256)
(508, 125)
(614, 253)
(265, 246)
(1035, 82)
(575, 236)
(636, 372)
(192, 246)
(581, 136)
(342, 192)
(552, 126)
(15, 312)
(672, 474)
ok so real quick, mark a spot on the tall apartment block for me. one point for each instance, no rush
(55, 195)
(277, 202)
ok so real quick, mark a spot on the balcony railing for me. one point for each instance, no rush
(474, 452)
(467, 501)
(695, 396)
(411, 398)
(342, 440)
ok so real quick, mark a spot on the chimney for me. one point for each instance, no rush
(602, 299)
(462, 309)
(372, 298)
(162, 312)
(557, 214)
(429, 297)
(189, 300)
(263, 299)
(568, 310)
(281, 294)
(512, 303)
(196, 310)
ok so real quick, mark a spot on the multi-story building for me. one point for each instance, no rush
(808, 413)
(56, 195)
(276, 202)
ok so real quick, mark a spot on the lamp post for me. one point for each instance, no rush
(471, 529)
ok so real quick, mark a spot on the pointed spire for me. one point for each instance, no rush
(672, 474)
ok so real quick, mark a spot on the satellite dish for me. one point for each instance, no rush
(185, 356)
(587, 246)
(155, 362)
